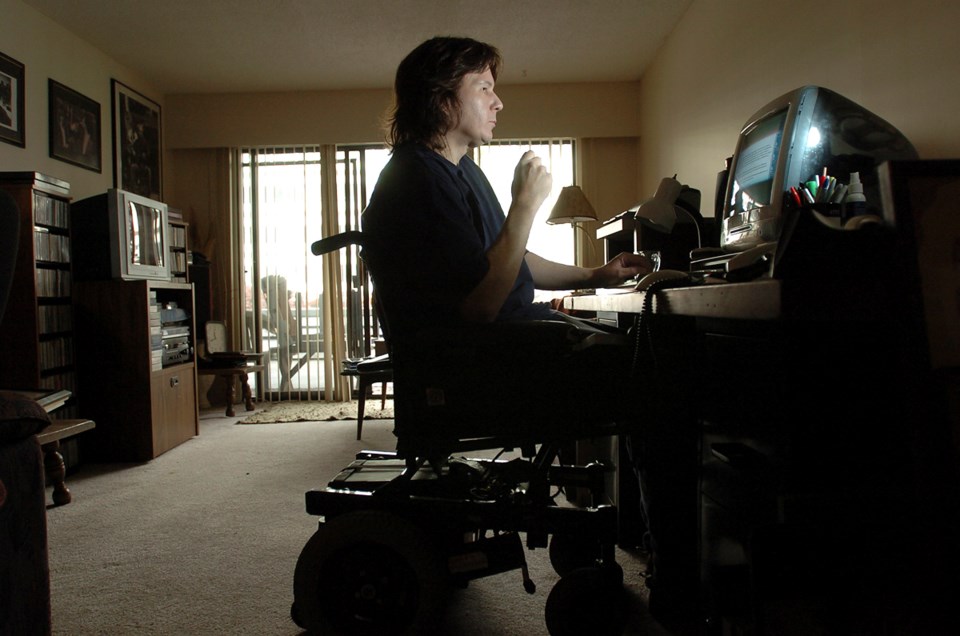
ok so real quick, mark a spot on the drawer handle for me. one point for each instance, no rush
(174, 381)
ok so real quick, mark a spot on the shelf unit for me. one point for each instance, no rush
(37, 335)
(142, 407)
(179, 251)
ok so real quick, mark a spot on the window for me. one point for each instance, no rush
(498, 160)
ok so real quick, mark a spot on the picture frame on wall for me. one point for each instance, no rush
(74, 127)
(12, 101)
(137, 139)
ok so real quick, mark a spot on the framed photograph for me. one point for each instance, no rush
(74, 127)
(136, 143)
(11, 102)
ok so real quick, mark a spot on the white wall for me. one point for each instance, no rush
(544, 110)
(727, 58)
(47, 50)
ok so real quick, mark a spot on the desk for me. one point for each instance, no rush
(758, 300)
(806, 448)
(229, 374)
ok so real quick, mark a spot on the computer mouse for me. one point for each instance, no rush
(663, 274)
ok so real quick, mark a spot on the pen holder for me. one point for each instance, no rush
(829, 210)
(828, 213)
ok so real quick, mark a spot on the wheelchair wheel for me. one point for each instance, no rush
(588, 600)
(569, 553)
(368, 572)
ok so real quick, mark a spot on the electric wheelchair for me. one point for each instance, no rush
(398, 529)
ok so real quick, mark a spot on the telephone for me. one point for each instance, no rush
(663, 274)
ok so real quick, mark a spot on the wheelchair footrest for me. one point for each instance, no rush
(369, 474)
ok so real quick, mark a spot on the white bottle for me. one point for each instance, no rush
(854, 203)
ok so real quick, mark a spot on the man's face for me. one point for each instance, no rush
(479, 106)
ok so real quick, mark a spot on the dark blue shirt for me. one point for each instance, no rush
(428, 227)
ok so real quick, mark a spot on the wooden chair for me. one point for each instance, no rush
(368, 372)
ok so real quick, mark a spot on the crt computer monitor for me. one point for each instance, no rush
(791, 139)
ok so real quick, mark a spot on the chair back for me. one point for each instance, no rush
(9, 238)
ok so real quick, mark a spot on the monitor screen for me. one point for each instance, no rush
(120, 235)
(145, 233)
(753, 179)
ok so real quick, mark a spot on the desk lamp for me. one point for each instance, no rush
(660, 212)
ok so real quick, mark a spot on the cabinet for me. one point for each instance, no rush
(37, 334)
(143, 403)
(179, 251)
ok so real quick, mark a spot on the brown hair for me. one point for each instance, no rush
(425, 90)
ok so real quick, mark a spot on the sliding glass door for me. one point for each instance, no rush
(283, 195)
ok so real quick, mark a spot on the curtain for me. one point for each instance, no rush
(337, 387)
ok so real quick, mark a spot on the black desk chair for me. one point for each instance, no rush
(401, 527)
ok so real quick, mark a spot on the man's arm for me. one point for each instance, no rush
(531, 185)
(552, 275)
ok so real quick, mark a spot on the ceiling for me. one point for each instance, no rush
(225, 46)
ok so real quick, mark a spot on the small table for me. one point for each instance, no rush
(53, 467)
(229, 374)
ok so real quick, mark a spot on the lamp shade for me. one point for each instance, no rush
(660, 213)
(572, 206)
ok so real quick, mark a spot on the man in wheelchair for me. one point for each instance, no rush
(478, 364)
(446, 260)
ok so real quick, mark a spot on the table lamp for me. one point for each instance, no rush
(572, 206)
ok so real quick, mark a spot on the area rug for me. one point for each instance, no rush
(278, 412)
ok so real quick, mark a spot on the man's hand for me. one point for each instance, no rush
(551, 275)
(622, 268)
(531, 184)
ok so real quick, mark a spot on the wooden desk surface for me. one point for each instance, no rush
(755, 300)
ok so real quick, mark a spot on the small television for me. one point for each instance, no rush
(120, 235)
(791, 140)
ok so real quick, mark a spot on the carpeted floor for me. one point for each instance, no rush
(317, 411)
(204, 539)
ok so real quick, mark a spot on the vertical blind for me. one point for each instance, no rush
(282, 209)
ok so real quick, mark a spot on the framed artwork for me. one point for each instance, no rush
(11, 101)
(74, 127)
(136, 142)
